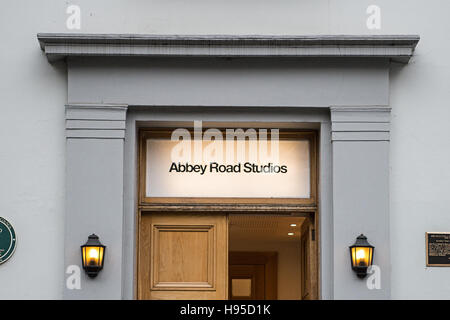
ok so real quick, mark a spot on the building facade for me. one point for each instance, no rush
(93, 93)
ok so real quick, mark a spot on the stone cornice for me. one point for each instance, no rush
(61, 45)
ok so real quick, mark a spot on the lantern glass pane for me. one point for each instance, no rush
(353, 250)
(101, 255)
(83, 250)
(91, 256)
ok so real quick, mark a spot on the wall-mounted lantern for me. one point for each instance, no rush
(92, 256)
(361, 255)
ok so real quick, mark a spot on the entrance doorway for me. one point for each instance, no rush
(248, 232)
(272, 243)
(227, 256)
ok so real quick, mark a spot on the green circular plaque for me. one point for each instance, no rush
(7, 240)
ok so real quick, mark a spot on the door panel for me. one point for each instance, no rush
(183, 256)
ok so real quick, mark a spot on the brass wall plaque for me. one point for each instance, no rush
(438, 249)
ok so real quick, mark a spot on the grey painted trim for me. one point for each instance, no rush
(360, 136)
(360, 123)
(89, 121)
(267, 82)
(94, 193)
(359, 126)
(325, 221)
(352, 165)
(61, 45)
(95, 111)
(360, 156)
(95, 134)
(95, 125)
(273, 117)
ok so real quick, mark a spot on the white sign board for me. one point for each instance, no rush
(286, 174)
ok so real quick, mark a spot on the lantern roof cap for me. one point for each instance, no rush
(361, 241)
(93, 240)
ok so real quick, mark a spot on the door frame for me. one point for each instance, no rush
(308, 209)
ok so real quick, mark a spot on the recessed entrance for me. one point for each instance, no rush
(267, 252)
(226, 256)
(218, 243)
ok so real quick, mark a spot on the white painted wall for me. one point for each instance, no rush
(33, 94)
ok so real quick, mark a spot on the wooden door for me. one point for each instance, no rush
(183, 256)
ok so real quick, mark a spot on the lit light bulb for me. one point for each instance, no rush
(293, 224)
(290, 233)
(93, 256)
(360, 256)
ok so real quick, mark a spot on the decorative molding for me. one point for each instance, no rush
(61, 45)
(370, 123)
(84, 121)
(157, 249)
(236, 208)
